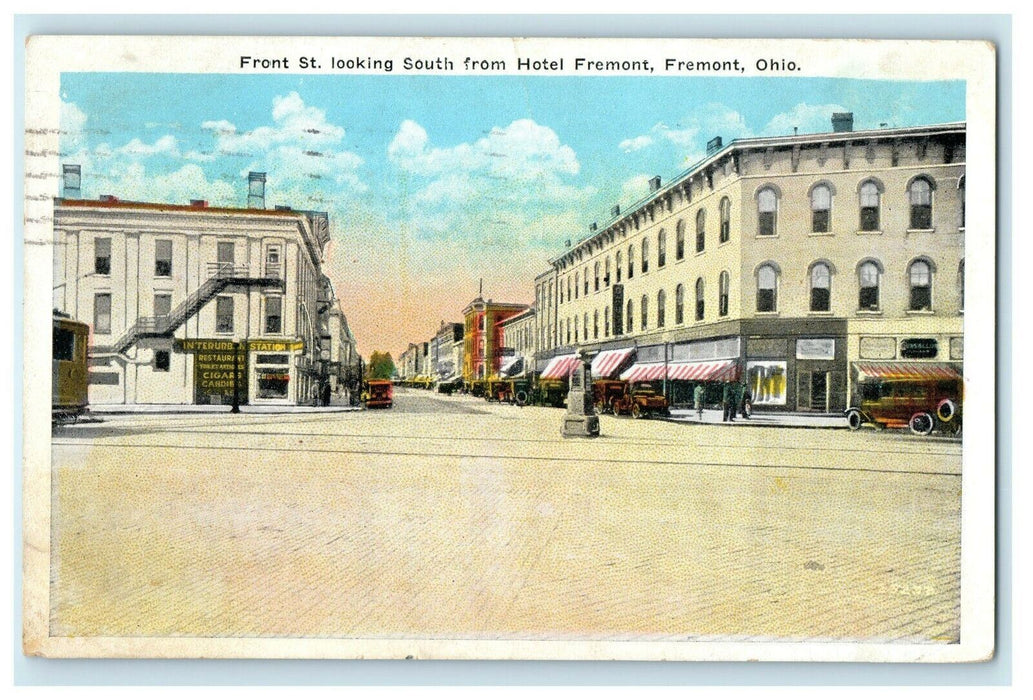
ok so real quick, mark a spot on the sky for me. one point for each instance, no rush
(433, 183)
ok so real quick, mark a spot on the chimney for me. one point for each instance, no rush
(714, 145)
(255, 190)
(842, 121)
(593, 227)
(72, 181)
(654, 183)
(615, 210)
(199, 203)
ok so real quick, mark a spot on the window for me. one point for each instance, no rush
(224, 251)
(606, 277)
(575, 329)
(577, 285)
(224, 314)
(631, 261)
(661, 308)
(102, 256)
(701, 228)
(64, 344)
(920, 196)
(630, 317)
(606, 322)
(821, 206)
(700, 308)
(679, 241)
(767, 289)
(661, 248)
(767, 212)
(961, 284)
(162, 360)
(620, 262)
(162, 304)
(870, 206)
(586, 325)
(722, 301)
(595, 325)
(679, 304)
(961, 199)
(560, 285)
(597, 275)
(644, 311)
(102, 314)
(920, 278)
(645, 255)
(585, 280)
(726, 219)
(821, 287)
(568, 288)
(567, 326)
(272, 261)
(274, 314)
(163, 258)
(868, 276)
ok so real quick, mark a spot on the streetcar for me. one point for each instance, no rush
(69, 386)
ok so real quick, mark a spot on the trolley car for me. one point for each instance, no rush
(69, 387)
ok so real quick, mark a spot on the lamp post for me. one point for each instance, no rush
(236, 377)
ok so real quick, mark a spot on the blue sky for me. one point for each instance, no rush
(433, 182)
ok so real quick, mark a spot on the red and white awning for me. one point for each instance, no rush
(609, 361)
(716, 371)
(560, 367)
(908, 370)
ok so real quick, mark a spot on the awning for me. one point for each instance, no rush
(715, 371)
(560, 367)
(512, 365)
(609, 361)
(908, 370)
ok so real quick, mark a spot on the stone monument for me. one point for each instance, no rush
(581, 419)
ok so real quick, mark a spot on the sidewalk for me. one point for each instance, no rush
(712, 416)
(149, 408)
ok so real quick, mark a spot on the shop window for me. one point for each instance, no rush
(821, 287)
(102, 314)
(726, 219)
(701, 228)
(870, 205)
(920, 197)
(224, 314)
(679, 241)
(700, 303)
(723, 287)
(102, 256)
(274, 314)
(163, 258)
(767, 212)
(920, 279)
(821, 207)
(869, 276)
(767, 289)
(162, 360)
(679, 304)
(661, 310)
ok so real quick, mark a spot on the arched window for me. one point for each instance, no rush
(577, 285)
(619, 265)
(700, 305)
(870, 206)
(606, 277)
(595, 325)
(568, 288)
(961, 284)
(586, 325)
(567, 325)
(679, 240)
(679, 304)
(920, 281)
(821, 208)
(920, 197)
(596, 268)
(961, 199)
(575, 330)
(661, 308)
(606, 322)
(630, 317)
(631, 261)
(821, 287)
(868, 275)
(645, 255)
(722, 300)
(767, 212)
(585, 280)
(767, 289)
(644, 311)
(661, 248)
(726, 219)
(701, 230)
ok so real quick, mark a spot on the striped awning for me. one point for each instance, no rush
(560, 367)
(908, 370)
(715, 371)
(609, 361)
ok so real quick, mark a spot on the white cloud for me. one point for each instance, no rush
(635, 144)
(178, 187)
(164, 146)
(634, 188)
(809, 119)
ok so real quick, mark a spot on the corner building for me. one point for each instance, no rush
(789, 262)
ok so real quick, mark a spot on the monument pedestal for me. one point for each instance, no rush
(581, 419)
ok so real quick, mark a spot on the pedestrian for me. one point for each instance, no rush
(326, 394)
(728, 403)
(697, 400)
(746, 403)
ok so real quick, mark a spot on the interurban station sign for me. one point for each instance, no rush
(214, 364)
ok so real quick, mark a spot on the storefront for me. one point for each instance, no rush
(256, 371)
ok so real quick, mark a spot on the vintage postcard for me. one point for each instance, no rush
(509, 348)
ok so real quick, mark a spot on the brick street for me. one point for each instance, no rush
(452, 517)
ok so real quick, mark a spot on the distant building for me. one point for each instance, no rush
(785, 261)
(518, 336)
(484, 343)
(169, 290)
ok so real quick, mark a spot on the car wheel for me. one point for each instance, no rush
(636, 411)
(921, 424)
(615, 408)
(854, 420)
(946, 410)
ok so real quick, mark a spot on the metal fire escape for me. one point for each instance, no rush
(220, 277)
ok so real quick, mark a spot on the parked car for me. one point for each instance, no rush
(378, 393)
(920, 405)
(450, 387)
(637, 400)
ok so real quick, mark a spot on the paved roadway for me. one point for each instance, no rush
(448, 516)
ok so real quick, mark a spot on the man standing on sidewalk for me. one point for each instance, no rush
(697, 400)
(728, 398)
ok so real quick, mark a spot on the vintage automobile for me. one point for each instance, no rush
(920, 404)
(378, 393)
(513, 391)
(451, 386)
(549, 392)
(639, 400)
